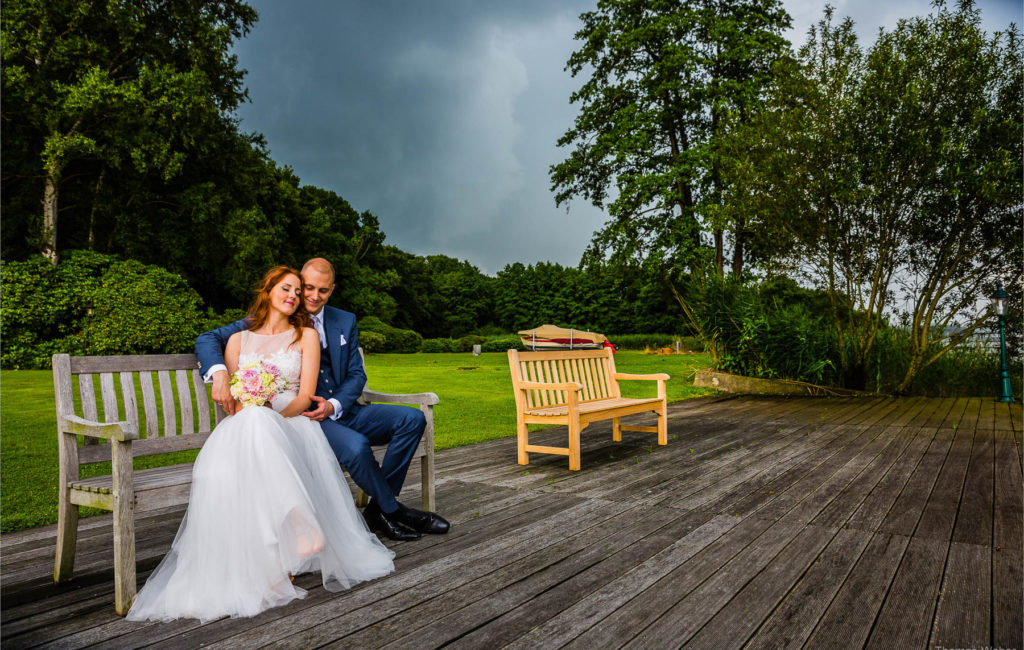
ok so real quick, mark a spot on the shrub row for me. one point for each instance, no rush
(94, 304)
(655, 341)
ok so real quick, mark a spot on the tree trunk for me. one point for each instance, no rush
(49, 239)
(92, 212)
(737, 251)
(719, 252)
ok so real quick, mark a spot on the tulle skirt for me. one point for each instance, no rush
(268, 500)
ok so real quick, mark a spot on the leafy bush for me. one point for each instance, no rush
(502, 344)
(94, 304)
(395, 339)
(372, 341)
(749, 331)
(969, 370)
(437, 345)
(466, 343)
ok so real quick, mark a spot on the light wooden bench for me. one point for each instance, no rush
(175, 416)
(576, 388)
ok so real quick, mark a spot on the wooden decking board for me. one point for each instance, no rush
(750, 472)
(906, 616)
(807, 464)
(853, 495)
(784, 501)
(1007, 597)
(974, 516)
(1008, 523)
(688, 615)
(797, 614)
(668, 459)
(705, 470)
(831, 487)
(454, 613)
(939, 514)
(597, 557)
(964, 615)
(971, 413)
(540, 596)
(741, 616)
(879, 501)
(904, 514)
(754, 479)
(634, 601)
(848, 619)
(939, 415)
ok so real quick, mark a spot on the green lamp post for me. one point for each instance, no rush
(999, 299)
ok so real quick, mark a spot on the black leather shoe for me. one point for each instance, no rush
(422, 522)
(386, 524)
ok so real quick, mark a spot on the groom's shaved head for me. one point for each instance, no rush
(321, 265)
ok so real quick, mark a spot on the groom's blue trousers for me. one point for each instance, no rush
(351, 437)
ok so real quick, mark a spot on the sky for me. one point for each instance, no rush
(441, 117)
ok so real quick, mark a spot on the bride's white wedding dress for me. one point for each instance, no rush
(268, 500)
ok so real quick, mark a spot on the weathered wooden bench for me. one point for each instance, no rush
(576, 388)
(175, 416)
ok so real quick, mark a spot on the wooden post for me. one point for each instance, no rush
(574, 430)
(124, 526)
(663, 413)
(67, 512)
(617, 429)
(427, 475)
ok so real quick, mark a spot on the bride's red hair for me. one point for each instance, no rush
(259, 309)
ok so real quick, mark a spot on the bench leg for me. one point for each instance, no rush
(124, 527)
(67, 536)
(574, 445)
(427, 483)
(522, 437)
(663, 424)
(617, 429)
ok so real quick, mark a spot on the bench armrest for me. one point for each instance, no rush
(423, 399)
(537, 385)
(626, 376)
(120, 431)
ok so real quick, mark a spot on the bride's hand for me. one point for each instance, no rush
(322, 410)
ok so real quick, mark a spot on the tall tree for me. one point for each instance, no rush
(104, 88)
(663, 75)
(896, 177)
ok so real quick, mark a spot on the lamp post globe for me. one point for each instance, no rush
(999, 299)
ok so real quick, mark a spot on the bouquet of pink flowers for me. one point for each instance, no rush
(257, 383)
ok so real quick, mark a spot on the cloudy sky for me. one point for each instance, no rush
(441, 116)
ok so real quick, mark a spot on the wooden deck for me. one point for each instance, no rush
(765, 523)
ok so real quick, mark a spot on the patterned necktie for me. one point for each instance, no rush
(319, 327)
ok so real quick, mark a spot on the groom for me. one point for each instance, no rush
(350, 428)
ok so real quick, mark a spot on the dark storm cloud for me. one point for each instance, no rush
(441, 116)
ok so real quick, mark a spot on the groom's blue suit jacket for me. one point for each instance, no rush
(342, 362)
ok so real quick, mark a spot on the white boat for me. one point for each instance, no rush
(552, 337)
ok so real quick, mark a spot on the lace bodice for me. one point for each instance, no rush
(283, 351)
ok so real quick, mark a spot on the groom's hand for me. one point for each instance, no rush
(221, 392)
(323, 409)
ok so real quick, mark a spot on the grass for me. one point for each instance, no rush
(476, 405)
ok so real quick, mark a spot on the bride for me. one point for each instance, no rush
(268, 498)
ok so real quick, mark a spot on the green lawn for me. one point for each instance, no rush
(476, 405)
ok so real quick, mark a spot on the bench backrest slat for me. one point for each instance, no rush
(200, 390)
(163, 378)
(184, 402)
(88, 392)
(593, 369)
(149, 404)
